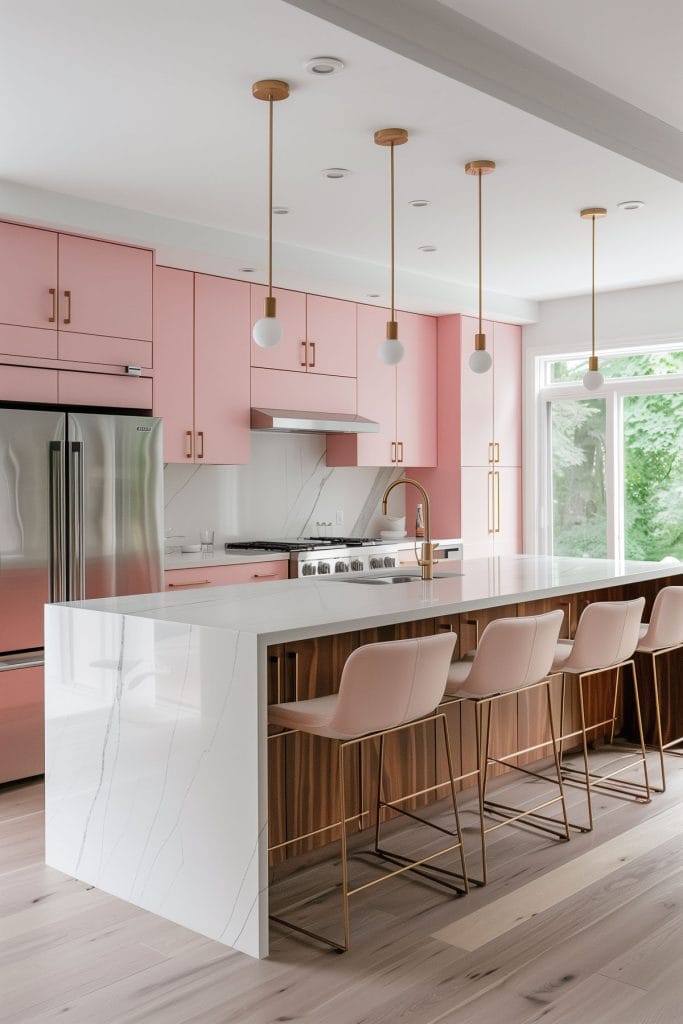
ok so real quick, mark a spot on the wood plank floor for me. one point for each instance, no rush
(602, 942)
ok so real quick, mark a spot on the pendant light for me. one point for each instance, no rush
(480, 360)
(268, 331)
(391, 350)
(592, 378)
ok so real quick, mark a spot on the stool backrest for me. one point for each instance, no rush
(514, 652)
(666, 621)
(607, 634)
(388, 684)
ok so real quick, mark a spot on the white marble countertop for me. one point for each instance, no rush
(195, 560)
(298, 609)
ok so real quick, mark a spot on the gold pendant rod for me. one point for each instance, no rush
(391, 229)
(593, 292)
(481, 304)
(270, 196)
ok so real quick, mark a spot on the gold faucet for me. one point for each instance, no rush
(426, 562)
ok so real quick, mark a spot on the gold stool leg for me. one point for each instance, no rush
(586, 769)
(556, 758)
(344, 858)
(658, 721)
(639, 720)
(454, 798)
(378, 802)
(614, 704)
(478, 719)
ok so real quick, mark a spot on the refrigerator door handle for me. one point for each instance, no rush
(76, 522)
(57, 523)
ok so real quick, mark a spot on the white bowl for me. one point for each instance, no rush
(392, 534)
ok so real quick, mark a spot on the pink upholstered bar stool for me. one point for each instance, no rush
(513, 655)
(606, 638)
(662, 635)
(385, 688)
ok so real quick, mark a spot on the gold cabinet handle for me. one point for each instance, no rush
(497, 486)
(188, 435)
(67, 296)
(496, 447)
(264, 575)
(490, 501)
(311, 365)
(400, 452)
(304, 351)
(491, 451)
(53, 313)
(393, 451)
(195, 583)
(568, 606)
(200, 435)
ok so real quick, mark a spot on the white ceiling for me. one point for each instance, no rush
(630, 48)
(147, 106)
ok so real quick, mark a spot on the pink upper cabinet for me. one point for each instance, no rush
(105, 289)
(376, 400)
(222, 370)
(331, 336)
(290, 353)
(476, 398)
(507, 393)
(28, 290)
(174, 361)
(416, 400)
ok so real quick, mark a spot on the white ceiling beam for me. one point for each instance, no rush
(446, 41)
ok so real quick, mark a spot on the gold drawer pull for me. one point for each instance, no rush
(188, 434)
(264, 575)
(312, 363)
(195, 583)
(304, 350)
(200, 435)
(67, 296)
(53, 314)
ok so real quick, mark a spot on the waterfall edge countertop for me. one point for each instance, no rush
(156, 750)
(299, 609)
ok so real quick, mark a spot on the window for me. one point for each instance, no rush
(613, 462)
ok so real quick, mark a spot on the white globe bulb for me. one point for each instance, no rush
(267, 331)
(593, 379)
(391, 351)
(480, 361)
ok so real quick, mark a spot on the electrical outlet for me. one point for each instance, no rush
(340, 517)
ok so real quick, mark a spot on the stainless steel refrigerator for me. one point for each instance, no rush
(81, 516)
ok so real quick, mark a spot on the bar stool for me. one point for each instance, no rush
(662, 635)
(385, 688)
(514, 655)
(605, 640)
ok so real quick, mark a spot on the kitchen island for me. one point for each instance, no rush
(157, 771)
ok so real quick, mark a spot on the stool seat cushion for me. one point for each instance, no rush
(312, 716)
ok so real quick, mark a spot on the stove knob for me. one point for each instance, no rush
(357, 565)
(308, 569)
(323, 568)
(376, 563)
(389, 561)
(341, 566)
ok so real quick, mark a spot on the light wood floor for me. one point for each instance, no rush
(605, 945)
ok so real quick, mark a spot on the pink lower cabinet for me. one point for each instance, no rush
(225, 575)
(202, 372)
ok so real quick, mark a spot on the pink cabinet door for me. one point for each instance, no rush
(280, 389)
(222, 371)
(477, 505)
(28, 270)
(290, 353)
(22, 724)
(508, 510)
(476, 399)
(116, 391)
(110, 289)
(416, 391)
(174, 361)
(376, 400)
(225, 575)
(27, 384)
(331, 336)
(507, 394)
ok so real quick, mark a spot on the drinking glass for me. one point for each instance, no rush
(206, 541)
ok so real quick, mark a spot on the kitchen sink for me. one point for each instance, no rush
(382, 579)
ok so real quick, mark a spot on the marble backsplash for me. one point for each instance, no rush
(285, 491)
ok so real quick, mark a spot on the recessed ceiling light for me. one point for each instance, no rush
(631, 204)
(246, 270)
(335, 173)
(324, 65)
(427, 248)
(372, 295)
(419, 203)
(281, 210)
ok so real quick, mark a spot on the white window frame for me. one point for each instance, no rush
(613, 391)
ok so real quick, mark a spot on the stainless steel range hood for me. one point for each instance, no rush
(297, 422)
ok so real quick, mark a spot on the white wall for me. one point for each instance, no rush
(625, 319)
(283, 492)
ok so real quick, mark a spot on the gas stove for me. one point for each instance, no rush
(326, 556)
